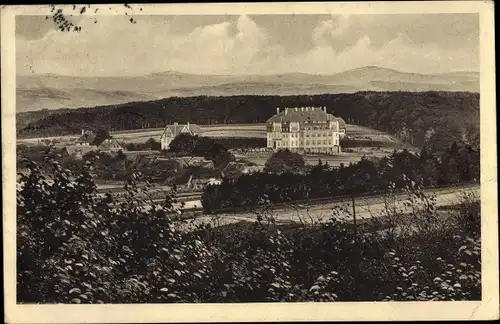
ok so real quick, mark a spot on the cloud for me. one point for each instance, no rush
(113, 46)
(227, 47)
(331, 29)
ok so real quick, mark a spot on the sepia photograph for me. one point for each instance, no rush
(268, 161)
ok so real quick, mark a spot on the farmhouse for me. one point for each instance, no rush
(86, 138)
(194, 161)
(79, 150)
(171, 131)
(110, 146)
(305, 129)
(234, 170)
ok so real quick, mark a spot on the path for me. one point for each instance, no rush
(365, 208)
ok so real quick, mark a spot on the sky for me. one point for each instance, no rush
(242, 44)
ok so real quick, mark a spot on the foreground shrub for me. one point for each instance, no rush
(76, 246)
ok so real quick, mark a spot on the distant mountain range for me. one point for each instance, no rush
(52, 91)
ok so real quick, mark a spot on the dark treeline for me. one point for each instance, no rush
(457, 164)
(205, 147)
(439, 118)
(150, 145)
(228, 142)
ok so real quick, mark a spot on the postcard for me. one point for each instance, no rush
(249, 162)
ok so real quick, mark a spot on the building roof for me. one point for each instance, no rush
(83, 149)
(109, 144)
(342, 123)
(176, 129)
(233, 170)
(301, 115)
(87, 137)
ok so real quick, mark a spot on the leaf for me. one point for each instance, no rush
(276, 285)
(315, 287)
(177, 272)
(75, 291)
(164, 289)
(76, 301)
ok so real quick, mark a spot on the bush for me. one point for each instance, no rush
(75, 246)
(285, 161)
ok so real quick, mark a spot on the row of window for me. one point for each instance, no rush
(297, 135)
(319, 135)
(313, 142)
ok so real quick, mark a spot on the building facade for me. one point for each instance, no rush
(305, 129)
(111, 146)
(171, 131)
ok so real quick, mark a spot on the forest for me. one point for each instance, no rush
(436, 118)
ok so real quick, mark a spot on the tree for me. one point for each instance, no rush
(100, 136)
(153, 145)
(184, 143)
(285, 162)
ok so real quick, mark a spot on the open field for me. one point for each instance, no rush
(227, 130)
(237, 130)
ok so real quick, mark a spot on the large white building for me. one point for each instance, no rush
(305, 129)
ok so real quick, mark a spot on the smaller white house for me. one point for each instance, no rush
(78, 151)
(172, 131)
(110, 145)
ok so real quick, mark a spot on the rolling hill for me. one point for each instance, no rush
(435, 118)
(52, 91)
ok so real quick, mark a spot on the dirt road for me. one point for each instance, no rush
(365, 208)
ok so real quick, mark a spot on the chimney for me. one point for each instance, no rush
(83, 132)
(286, 111)
(296, 108)
(176, 123)
(277, 110)
(307, 108)
(187, 124)
(324, 109)
(302, 108)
